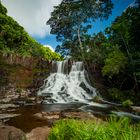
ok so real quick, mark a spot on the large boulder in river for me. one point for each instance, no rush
(11, 133)
(39, 133)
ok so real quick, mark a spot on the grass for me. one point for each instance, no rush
(114, 129)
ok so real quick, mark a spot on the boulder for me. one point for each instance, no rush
(136, 108)
(39, 133)
(11, 133)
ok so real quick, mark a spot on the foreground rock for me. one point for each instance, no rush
(136, 108)
(11, 133)
(70, 114)
(39, 133)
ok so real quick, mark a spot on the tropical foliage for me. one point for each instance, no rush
(90, 130)
(14, 39)
(115, 53)
(71, 20)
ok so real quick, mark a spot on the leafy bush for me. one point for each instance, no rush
(127, 103)
(46, 53)
(116, 94)
(18, 90)
(91, 130)
(114, 63)
(96, 99)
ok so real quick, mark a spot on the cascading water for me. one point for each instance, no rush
(64, 87)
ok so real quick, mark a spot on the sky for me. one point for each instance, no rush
(33, 14)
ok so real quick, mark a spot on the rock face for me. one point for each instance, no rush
(17, 72)
(39, 133)
(11, 133)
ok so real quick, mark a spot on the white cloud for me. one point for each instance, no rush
(50, 47)
(32, 14)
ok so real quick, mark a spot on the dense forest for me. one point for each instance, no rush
(14, 39)
(114, 52)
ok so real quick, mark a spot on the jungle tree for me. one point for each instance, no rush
(71, 20)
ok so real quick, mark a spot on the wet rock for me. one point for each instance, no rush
(5, 106)
(11, 110)
(78, 115)
(71, 114)
(47, 115)
(6, 117)
(5, 100)
(136, 108)
(32, 98)
(48, 100)
(11, 133)
(25, 101)
(127, 114)
(15, 95)
(39, 133)
(82, 85)
(47, 95)
(20, 102)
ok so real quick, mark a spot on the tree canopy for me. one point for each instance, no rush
(71, 20)
(114, 53)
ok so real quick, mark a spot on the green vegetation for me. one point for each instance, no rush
(115, 54)
(116, 94)
(14, 39)
(71, 20)
(90, 130)
(127, 103)
(114, 63)
(97, 99)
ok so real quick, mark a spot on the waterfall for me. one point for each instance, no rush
(65, 87)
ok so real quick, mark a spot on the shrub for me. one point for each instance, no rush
(97, 99)
(114, 63)
(127, 103)
(18, 90)
(116, 94)
(70, 129)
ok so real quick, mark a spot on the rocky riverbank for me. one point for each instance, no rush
(41, 133)
(39, 121)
